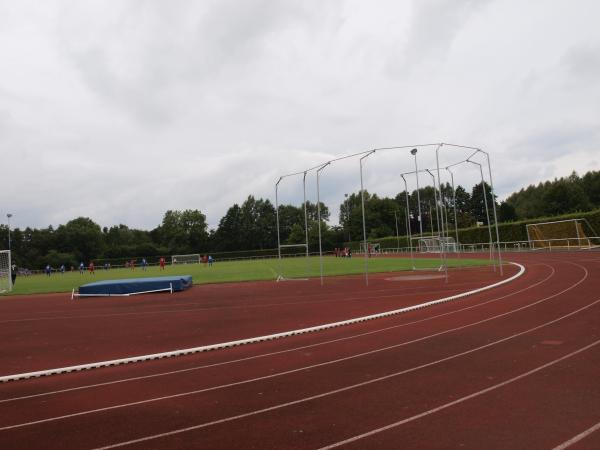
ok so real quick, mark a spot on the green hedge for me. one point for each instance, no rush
(509, 231)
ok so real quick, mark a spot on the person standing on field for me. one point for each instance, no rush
(91, 268)
(13, 274)
(161, 263)
(81, 267)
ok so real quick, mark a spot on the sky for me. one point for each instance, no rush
(119, 111)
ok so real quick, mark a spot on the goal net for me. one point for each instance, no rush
(374, 248)
(436, 244)
(5, 275)
(186, 259)
(561, 234)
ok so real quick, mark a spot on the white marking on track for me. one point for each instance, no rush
(460, 400)
(370, 433)
(264, 355)
(578, 438)
(205, 348)
(279, 374)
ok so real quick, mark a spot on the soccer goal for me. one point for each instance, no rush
(374, 248)
(559, 235)
(436, 244)
(185, 259)
(5, 275)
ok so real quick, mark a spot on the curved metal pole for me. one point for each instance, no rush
(412, 258)
(362, 197)
(319, 219)
(278, 235)
(494, 206)
(487, 213)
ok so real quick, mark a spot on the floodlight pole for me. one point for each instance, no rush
(362, 197)
(412, 258)
(319, 218)
(487, 156)
(487, 213)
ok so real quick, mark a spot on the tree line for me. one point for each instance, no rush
(252, 226)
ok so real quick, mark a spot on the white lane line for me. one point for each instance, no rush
(460, 400)
(326, 363)
(578, 438)
(337, 391)
(303, 347)
(205, 348)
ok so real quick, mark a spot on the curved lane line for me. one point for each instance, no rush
(206, 348)
(279, 352)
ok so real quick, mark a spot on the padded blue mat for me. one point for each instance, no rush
(136, 285)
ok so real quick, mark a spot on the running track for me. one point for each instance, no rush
(517, 366)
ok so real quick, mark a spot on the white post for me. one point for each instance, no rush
(362, 196)
(319, 218)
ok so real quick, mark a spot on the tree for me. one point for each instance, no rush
(82, 237)
(183, 231)
(477, 203)
(506, 212)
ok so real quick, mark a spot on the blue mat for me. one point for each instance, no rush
(136, 285)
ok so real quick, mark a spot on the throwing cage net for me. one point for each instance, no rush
(5, 274)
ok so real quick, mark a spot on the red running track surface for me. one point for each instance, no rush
(513, 367)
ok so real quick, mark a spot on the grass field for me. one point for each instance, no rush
(232, 271)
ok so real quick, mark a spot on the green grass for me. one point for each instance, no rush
(233, 271)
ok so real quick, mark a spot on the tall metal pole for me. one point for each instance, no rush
(319, 218)
(442, 241)
(440, 225)
(306, 224)
(397, 234)
(362, 196)
(454, 204)
(278, 235)
(8, 216)
(487, 213)
(495, 214)
(414, 153)
(412, 258)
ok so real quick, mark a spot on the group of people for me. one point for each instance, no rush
(345, 252)
(91, 268)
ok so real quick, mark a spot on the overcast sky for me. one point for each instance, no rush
(122, 110)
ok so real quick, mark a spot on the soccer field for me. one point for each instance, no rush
(234, 271)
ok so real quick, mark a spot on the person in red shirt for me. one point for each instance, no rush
(91, 268)
(161, 262)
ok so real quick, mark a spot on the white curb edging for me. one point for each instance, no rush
(206, 348)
